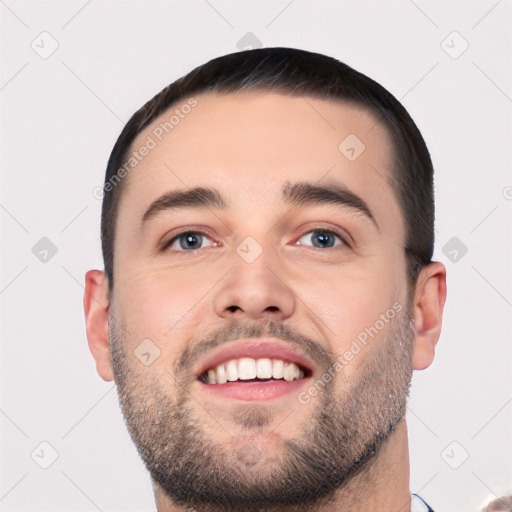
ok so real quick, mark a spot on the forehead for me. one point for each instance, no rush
(249, 144)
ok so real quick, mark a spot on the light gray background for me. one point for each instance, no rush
(60, 118)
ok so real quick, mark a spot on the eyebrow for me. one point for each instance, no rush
(296, 194)
(304, 193)
(198, 197)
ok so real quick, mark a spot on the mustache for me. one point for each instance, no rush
(234, 331)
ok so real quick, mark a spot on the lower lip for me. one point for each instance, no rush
(254, 391)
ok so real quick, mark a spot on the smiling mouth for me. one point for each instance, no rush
(247, 369)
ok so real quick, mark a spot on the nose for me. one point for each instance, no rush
(255, 290)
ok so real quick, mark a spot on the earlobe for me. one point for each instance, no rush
(96, 309)
(429, 300)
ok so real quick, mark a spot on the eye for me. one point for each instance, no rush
(322, 238)
(188, 241)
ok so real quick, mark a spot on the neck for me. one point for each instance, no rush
(382, 485)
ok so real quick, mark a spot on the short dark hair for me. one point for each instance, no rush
(300, 73)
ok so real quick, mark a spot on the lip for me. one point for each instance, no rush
(253, 390)
(254, 348)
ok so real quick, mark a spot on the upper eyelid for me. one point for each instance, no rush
(327, 230)
(342, 236)
(168, 243)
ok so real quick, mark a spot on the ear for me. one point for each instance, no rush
(96, 308)
(429, 300)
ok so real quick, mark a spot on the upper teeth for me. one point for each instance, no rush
(247, 368)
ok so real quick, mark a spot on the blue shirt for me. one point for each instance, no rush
(419, 505)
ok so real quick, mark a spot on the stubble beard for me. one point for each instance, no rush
(339, 440)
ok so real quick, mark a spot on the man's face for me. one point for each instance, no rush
(307, 282)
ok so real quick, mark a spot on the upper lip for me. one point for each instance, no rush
(256, 349)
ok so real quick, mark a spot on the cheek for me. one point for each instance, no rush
(352, 301)
(160, 306)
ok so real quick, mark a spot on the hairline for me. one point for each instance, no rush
(263, 88)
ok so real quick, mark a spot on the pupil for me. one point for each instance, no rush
(324, 239)
(189, 241)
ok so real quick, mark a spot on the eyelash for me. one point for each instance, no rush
(343, 240)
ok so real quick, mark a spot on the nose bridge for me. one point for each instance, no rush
(254, 287)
